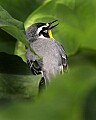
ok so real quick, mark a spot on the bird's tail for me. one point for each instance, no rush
(42, 84)
(44, 81)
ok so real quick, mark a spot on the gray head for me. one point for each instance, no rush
(40, 30)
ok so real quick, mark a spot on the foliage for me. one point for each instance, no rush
(69, 96)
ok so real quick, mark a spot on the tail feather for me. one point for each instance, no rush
(42, 84)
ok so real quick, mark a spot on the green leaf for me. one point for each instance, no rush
(20, 50)
(20, 9)
(13, 27)
(12, 64)
(16, 80)
(18, 87)
(86, 14)
(7, 40)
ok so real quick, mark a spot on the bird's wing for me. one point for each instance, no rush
(64, 64)
(34, 62)
(35, 66)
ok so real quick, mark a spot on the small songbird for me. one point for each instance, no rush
(54, 58)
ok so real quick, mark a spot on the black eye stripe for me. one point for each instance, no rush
(45, 34)
(43, 30)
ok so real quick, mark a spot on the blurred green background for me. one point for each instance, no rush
(71, 96)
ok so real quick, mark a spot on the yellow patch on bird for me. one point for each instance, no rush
(50, 34)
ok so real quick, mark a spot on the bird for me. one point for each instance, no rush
(53, 56)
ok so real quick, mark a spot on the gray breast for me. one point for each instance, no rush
(47, 48)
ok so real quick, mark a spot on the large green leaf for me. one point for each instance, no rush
(77, 22)
(20, 9)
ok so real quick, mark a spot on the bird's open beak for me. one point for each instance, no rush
(49, 27)
(50, 23)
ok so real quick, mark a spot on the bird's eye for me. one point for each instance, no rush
(44, 32)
